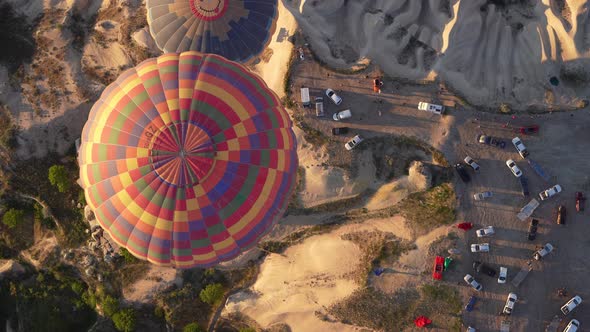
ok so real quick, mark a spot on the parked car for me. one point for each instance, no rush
(522, 151)
(332, 95)
(433, 108)
(572, 326)
(340, 131)
(580, 201)
(471, 329)
(438, 267)
(486, 231)
(462, 173)
(480, 247)
(509, 306)
(353, 142)
(469, 161)
(319, 106)
(513, 168)
(471, 303)
(472, 282)
(482, 195)
(305, 101)
(571, 304)
(524, 186)
(532, 234)
(560, 215)
(550, 192)
(345, 114)
(503, 275)
(489, 140)
(547, 248)
(528, 130)
(480, 267)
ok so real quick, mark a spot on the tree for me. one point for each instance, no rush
(212, 294)
(58, 176)
(192, 327)
(125, 320)
(13, 217)
(110, 306)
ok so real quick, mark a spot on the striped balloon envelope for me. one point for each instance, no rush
(188, 159)
(236, 29)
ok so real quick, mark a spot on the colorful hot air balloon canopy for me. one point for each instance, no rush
(187, 159)
(236, 29)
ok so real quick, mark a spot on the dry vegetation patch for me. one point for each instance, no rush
(429, 209)
(370, 308)
(377, 248)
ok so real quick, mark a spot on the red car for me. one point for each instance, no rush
(527, 130)
(465, 226)
(580, 201)
(438, 267)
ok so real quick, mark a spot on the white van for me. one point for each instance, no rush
(345, 114)
(305, 101)
(437, 109)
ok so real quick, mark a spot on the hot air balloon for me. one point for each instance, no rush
(187, 159)
(236, 29)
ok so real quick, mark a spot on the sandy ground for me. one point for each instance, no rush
(489, 53)
(307, 278)
(156, 279)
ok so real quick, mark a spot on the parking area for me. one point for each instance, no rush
(562, 148)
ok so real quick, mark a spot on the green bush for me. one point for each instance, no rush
(212, 294)
(248, 329)
(192, 327)
(13, 217)
(129, 258)
(77, 287)
(90, 299)
(110, 306)
(159, 312)
(125, 320)
(58, 176)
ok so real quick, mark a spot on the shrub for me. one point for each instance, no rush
(77, 287)
(110, 306)
(192, 327)
(13, 217)
(248, 329)
(58, 177)
(159, 312)
(90, 299)
(129, 258)
(125, 320)
(212, 294)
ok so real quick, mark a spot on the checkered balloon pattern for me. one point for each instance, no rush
(188, 159)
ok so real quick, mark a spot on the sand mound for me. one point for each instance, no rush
(307, 278)
(489, 53)
(324, 183)
(420, 177)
